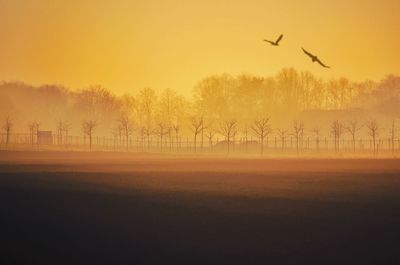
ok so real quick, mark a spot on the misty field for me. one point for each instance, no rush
(109, 208)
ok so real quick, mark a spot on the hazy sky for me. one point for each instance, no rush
(127, 45)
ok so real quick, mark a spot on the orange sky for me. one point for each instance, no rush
(127, 45)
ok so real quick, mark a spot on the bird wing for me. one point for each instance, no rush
(309, 54)
(271, 42)
(279, 39)
(322, 64)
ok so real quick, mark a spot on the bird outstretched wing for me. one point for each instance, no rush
(322, 64)
(271, 42)
(306, 52)
(279, 39)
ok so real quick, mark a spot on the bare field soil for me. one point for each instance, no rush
(107, 208)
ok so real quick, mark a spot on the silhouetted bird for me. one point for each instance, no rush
(276, 43)
(315, 58)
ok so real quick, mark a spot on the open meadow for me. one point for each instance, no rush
(107, 208)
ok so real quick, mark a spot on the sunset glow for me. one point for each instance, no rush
(199, 132)
(127, 45)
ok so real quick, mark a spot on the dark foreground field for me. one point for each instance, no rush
(80, 208)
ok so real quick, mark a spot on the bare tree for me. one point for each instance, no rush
(282, 133)
(63, 128)
(298, 132)
(210, 133)
(392, 135)
(337, 131)
(170, 104)
(8, 124)
(161, 131)
(353, 127)
(262, 128)
(33, 131)
(60, 127)
(147, 100)
(228, 129)
(66, 128)
(246, 136)
(317, 133)
(117, 133)
(142, 136)
(373, 129)
(197, 127)
(126, 125)
(88, 127)
(148, 132)
(176, 128)
(180, 114)
(31, 128)
(203, 128)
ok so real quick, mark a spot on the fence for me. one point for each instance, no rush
(272, 145)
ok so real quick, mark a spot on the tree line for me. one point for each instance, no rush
(261, 129)
(224, 105)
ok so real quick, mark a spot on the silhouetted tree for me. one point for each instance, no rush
(63, 128)
(176, 128)
(337, 131)
(147, 100)
(88, 127)
(98, 103)
(148, 132)
(33, 131)
(161, 131)
(213, 97)
(228, 129)
(392, 135)
(179, 116)
(289, 84)
(203, 128)
(126, 126)
(373, 129)
(196, 127)
(298, 131)
(317, 133)
(8, 124)
(353, 127)
(262, 128)
(66, 129)
(169, 105)
(282, 133)
(210, 133)
(59, 129)
(117, 133)
(246, 135)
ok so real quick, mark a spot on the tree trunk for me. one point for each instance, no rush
(7, 138)
(177, 142)
(228, 144)
(374, 143)
(262, 145)
(195, 141)
(202, 139)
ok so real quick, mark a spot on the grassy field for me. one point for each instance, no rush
(103, 208)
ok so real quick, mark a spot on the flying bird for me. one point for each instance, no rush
(275, 43)
(315, 58)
